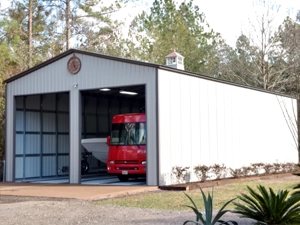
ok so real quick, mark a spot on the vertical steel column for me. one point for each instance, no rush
(75, 135)
(97, 117)
(41, 135)
(24, 136)
(83, 115)
(56, 132)
(109, 115)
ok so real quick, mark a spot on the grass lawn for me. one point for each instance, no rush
(176, 200)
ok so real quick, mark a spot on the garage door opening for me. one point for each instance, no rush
(99, 106)
(42, 138)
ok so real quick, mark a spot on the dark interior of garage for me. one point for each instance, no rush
(98, 108)
(42, 128)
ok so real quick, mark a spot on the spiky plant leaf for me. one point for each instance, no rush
(208, 202)
(269, 208)
(297, 192)
(195, 209)
(221, 212)
(229, 222)
(208, 206)
(191, 221)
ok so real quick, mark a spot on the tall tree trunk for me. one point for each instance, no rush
(30, 34)
(68, 29)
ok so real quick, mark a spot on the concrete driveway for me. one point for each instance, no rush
(86, 192)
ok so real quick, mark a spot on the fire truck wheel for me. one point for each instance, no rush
(123, 178)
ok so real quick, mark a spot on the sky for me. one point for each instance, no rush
(228, 17)
(231, 17)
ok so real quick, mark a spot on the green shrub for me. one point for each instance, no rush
(269, 208)
(207, 217)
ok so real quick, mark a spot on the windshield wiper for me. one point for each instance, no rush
(131, 136)
(123, 138)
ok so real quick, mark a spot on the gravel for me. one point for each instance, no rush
(40, 210)
(44, 210)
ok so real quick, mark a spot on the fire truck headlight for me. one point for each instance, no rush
(108, 168)
(144, 162)
(111, 162)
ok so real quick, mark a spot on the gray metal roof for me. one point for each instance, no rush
(72, 51)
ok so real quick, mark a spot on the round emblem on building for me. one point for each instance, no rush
(74, 65)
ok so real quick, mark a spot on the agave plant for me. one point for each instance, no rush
(207, 217)
(269, 208)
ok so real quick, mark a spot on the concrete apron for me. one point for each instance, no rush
(83, 192)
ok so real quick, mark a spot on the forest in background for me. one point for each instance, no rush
(266, 56)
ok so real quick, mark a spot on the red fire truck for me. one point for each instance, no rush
(127, 146)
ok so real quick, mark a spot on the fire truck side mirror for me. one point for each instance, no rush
(108, 140)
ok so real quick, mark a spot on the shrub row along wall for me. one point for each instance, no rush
(216, 171)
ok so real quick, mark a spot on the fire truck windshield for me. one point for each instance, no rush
(128, 134)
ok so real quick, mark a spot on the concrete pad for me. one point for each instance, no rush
(85, 192)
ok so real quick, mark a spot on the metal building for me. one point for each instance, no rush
(192, 119)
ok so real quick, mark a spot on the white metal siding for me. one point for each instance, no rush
(35, 169)
(63, 143)
(49, 166)
(19, 144)
(49, 124)
(32, 144)
(36, 135)
(18, 168)
(95, 73)
(202, 122)
(49, 144)
(32, 121)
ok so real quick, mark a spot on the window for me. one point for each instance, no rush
(128, 134)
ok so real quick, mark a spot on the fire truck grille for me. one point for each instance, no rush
(126, 162)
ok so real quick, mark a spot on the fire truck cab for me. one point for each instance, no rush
(127, 146)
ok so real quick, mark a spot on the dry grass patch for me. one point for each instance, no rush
(176, 200)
